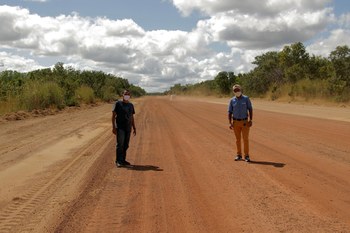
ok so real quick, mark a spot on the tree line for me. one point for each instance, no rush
(59, 87)
(291, 72)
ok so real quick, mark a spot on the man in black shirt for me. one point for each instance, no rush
(123, 121)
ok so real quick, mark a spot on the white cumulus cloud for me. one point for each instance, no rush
(158, 59)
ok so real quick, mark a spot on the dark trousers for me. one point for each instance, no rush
(123, 138)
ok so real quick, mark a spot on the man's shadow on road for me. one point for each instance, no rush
(268, 163)
(144, 168)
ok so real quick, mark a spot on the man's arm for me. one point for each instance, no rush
(113, 122)
(133, 120)
(250, 111)
(133, 125)
(230, 120)
(230, 114)
(250, 122)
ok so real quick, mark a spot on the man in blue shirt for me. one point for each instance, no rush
(240, 116)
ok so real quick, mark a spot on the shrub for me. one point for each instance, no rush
(37, 95)
(85, 94)
(9, 105)
(344, 96)
(305, 88)
(108, 93)
(313, 88)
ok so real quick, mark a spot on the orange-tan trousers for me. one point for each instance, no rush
(241, 128)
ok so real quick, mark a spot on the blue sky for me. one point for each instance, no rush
(340, 6)
(158, 43)
(149, 14)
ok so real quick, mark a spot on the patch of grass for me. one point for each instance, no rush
(303, 89)
(12, 104)
(85, 94)
(38, 95)
(108, 93)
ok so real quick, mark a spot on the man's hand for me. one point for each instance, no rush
(231, 125)
(134, 131)
(250, 123)
(114, 131)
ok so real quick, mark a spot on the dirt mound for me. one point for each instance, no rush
(22, 115)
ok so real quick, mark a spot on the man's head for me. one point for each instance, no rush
(126, 95)
(237, 90)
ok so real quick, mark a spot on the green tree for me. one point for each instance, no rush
(320, 68)
(293, 61)
(340, 83)
(268, 69)
(11, 83)
(59, 86)
(340, 58)
(253, 84)
(224, 81)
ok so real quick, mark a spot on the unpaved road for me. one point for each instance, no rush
(57, 172)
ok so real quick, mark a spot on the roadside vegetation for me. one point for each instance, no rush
(291, 74)
(59, 87)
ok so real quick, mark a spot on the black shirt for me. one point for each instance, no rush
(124, 114)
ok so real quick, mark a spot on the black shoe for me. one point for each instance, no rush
(246, 158)
(238, 157)
(126, 163)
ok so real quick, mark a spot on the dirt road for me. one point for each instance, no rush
(57, 173)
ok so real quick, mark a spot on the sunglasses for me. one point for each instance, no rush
(236, 90)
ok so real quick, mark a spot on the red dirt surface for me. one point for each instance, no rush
(57, 173)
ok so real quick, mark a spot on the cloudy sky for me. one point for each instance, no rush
(158, 43)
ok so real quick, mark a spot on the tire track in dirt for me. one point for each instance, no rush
(102, 206)
(324, 222)
(243, 197)
(46, 192)
(200, 186)
(34, 134)
(185, 179)
(43, 198)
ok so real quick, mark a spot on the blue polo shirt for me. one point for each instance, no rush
(240, 106)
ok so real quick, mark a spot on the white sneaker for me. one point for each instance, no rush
(118, 164)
